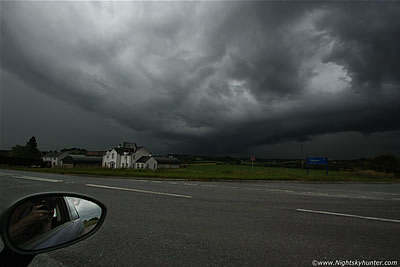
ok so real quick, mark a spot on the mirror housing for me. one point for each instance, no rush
(66, 223)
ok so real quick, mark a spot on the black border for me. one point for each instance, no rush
(5, 217)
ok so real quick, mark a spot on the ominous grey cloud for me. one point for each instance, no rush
(365, 35)
(211, 77)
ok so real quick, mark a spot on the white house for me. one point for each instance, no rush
(124, 156)
(111, 159)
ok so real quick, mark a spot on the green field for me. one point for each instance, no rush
(214, 171)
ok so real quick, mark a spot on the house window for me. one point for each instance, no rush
(112, 155)
(108, 156)
(123, 165)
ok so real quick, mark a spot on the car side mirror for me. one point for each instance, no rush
(48, 221)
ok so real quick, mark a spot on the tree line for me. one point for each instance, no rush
(27, 155)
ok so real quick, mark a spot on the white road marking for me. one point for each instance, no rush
(38, 179)
(138, 190)
(350, 195)
(348, 215)
(158, 182)
(310, 193)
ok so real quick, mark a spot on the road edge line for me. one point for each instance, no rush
(348, 215)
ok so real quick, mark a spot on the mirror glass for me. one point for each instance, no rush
(47, 221)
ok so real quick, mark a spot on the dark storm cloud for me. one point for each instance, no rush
(313, 118)
(213, 77)
(366, 39)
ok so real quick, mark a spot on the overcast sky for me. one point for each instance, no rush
(221, 78)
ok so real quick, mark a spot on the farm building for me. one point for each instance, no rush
(167, 162)
(81, 161)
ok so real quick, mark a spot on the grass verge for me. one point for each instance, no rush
(213, 172)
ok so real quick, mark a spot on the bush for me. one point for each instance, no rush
(386, 163)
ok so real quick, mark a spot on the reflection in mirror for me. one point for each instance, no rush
(49, 221)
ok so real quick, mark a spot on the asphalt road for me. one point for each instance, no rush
(181, 223)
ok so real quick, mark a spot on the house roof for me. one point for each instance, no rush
(122, 150)
(95, 153)
(143, 159)
(82, 158)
